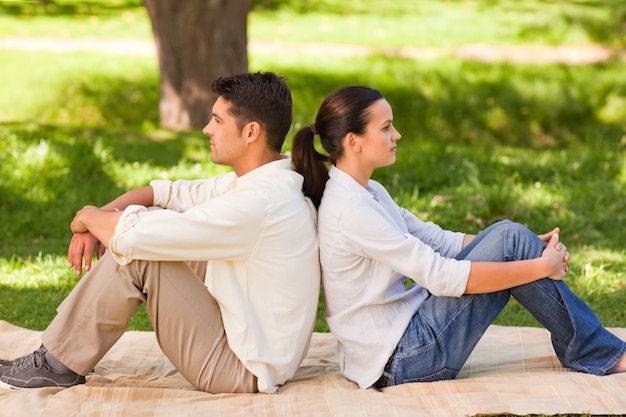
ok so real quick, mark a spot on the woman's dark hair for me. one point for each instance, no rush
(263, 97)
(346, 110)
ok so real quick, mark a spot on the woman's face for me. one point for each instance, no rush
(378, 143)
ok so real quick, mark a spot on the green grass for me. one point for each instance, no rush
(541, 144)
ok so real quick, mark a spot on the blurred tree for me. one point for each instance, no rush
(196, 41)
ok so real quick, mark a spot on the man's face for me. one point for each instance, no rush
(227, 141)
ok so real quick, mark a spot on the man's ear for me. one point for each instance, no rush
(353, 142)
(252, 131)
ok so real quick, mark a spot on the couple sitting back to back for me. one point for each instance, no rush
(229, 267)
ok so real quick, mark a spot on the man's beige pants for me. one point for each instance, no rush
(186, 319)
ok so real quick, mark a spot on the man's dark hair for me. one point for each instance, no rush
(263, 97)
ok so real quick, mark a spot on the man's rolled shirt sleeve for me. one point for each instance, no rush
(223, 228)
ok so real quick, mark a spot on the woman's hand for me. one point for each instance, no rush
(556, 256)
(545, 238)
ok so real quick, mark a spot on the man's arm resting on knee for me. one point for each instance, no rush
(83, 244)
(99, 222)
(90, 225)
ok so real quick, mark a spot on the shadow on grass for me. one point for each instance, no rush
(105, 101)
(49, 172)
(477, 104)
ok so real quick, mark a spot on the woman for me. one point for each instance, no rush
(389, 331)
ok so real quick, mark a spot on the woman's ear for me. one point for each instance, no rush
(353, 142)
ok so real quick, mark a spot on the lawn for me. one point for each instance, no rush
(540, 144)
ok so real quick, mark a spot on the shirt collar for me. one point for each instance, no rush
(283, 163)
(350, 184)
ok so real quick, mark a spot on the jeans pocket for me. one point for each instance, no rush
(442, 375)
(422, 364)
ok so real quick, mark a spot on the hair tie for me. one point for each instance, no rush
(313, 129)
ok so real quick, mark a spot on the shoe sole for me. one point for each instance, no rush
(4, 385)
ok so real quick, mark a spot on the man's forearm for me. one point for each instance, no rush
(143, 196)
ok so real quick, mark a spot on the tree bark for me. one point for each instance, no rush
(196, 42)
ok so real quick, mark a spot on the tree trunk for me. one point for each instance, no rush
(196, 42)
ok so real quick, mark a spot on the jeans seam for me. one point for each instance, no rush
(558, 301)
(465, 301)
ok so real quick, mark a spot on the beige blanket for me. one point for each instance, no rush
(513, 370)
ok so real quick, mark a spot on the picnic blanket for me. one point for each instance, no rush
(512, 370)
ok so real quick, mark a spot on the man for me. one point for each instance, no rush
(227, 266)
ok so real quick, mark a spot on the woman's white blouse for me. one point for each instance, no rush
(369, 247)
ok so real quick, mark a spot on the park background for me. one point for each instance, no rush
(508, 109)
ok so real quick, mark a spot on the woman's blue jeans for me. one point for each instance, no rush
(445, 330)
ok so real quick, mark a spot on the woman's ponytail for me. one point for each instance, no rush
(311, 164)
